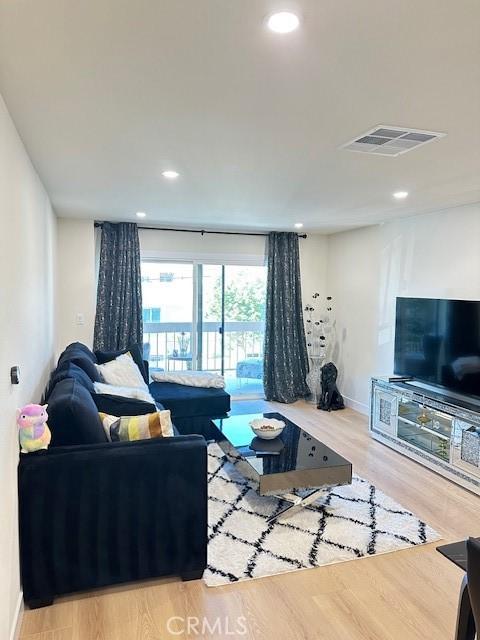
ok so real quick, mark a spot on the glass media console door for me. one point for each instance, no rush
(384, 412)
(425, 428)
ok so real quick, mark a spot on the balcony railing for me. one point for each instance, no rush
(169, 345)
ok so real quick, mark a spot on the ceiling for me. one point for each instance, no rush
(107, 94)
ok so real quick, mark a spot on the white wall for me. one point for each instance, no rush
(313, 265)
(27, 282)
(353, 282)
(76, 282)
(435, 255)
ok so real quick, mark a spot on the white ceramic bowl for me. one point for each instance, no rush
(267, 428)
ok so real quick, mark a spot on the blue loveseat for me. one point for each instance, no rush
(94, 513)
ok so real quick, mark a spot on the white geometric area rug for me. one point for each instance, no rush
(352, 521)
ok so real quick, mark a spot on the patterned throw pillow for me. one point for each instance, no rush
(151, 425)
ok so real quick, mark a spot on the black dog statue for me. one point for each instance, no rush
(331, 398)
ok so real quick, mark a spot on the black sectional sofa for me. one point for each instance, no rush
(192, 408)
(94, 513)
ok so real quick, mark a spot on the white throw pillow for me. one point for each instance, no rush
(122, 372)
(202, 379)
(125, 392)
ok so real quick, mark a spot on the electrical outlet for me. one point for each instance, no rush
(80, 318)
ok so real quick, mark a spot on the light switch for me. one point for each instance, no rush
(80, 318)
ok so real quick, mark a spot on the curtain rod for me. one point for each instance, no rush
(203, 232)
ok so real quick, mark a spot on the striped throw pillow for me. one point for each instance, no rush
(150, 425)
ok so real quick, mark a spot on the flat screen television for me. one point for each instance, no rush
(437, 342)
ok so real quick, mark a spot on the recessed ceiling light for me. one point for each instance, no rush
(298, 225)
(141, 214)
(400, 195)
(171, 175)
(283, 22)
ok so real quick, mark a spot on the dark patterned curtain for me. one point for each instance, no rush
(285, 354)
(118, 321)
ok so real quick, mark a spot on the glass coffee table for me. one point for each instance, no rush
(295, 460)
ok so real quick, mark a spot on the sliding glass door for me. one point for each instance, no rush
(167, 293)
(244, 327)
(210, 324)
(211, 318)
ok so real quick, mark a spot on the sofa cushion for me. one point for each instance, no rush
(191, 401)
(136, 353)
(84, 363)
(119, 406)
(72, 415)
(69, 369)
(79, 347)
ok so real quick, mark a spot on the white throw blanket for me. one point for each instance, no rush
(125, 392)
(191, 378)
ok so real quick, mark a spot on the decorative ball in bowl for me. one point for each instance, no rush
(267, 428)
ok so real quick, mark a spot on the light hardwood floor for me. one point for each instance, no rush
(406, 595)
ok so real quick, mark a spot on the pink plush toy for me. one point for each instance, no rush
(33, 433)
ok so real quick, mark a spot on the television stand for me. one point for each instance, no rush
(437, 431)
(445, 396)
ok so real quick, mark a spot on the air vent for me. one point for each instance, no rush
(385, 140)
